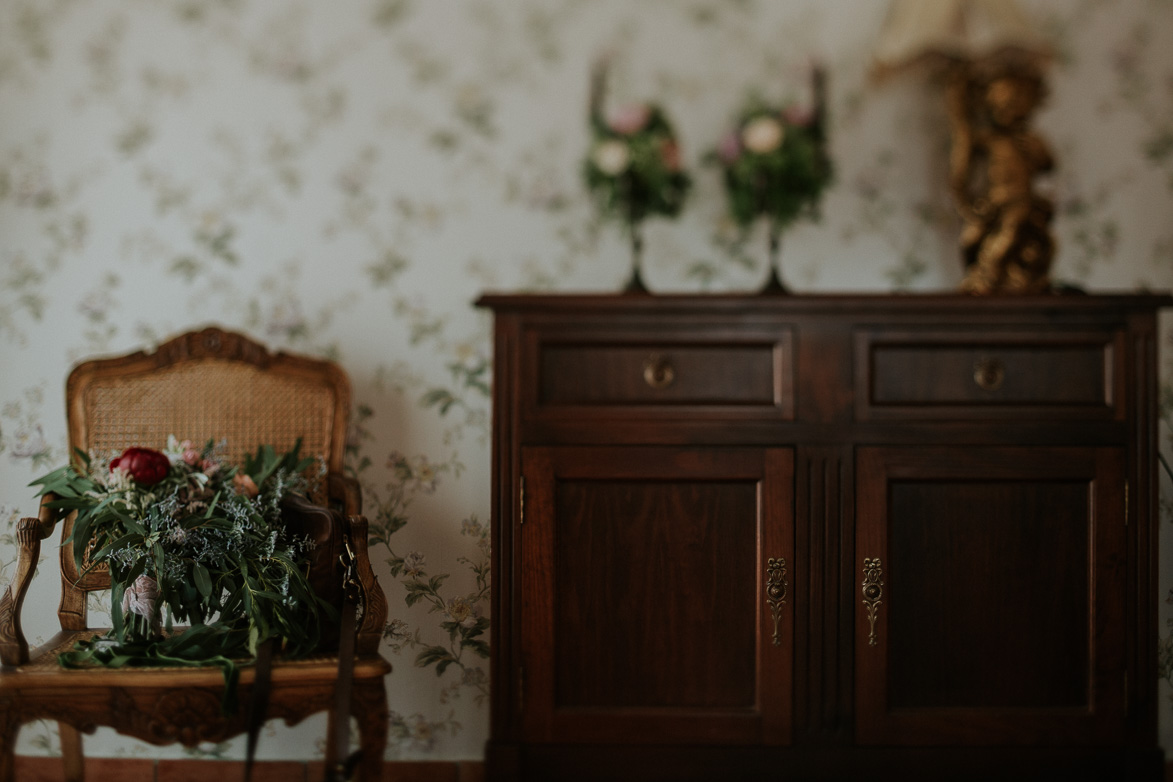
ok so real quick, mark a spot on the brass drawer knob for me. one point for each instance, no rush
(989, 373)
(658, 371)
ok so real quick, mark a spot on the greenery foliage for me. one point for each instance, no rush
(774, 164)
(182, 530)
(633, 169)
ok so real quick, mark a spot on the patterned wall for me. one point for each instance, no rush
(343, 179)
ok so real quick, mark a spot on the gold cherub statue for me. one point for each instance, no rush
(1006, 242)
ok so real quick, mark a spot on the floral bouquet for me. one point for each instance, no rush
(182, 530)
(775, 165)
(633, 168)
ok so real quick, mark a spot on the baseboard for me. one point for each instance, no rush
(42, 769)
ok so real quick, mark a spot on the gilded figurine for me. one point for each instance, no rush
(1006, 241)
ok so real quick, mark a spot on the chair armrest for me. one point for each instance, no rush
(14, 648)
(345, 489)
(374, 615)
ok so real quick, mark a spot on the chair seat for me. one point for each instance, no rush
(163, 705)
(43, 669)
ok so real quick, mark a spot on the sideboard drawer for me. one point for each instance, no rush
(664, 374)
(1011, 374)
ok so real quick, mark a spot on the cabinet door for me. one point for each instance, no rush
(990, 600)
(656, 594)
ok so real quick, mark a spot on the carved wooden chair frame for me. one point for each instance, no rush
(202, 379)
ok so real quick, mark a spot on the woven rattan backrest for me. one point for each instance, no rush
(203, 385)
(239, 403)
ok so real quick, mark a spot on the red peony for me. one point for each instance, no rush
(145, 465)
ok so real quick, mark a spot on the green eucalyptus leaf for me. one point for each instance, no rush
(203, 580)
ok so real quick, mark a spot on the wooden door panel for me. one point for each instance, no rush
(644, 576)
(643, 610)
(998, 605)
(1010, 628)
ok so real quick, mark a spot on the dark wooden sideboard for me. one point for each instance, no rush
(824, 537)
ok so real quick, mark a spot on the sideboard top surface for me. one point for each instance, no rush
(749, 303)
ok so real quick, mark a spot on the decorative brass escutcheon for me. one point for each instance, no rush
(658, 371)
(873, 592)
(988, 373)
(776, 591)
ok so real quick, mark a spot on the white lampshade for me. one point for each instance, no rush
(917, 31)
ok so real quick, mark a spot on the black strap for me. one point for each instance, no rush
(259, 703)
(344, 764)
(340, 765)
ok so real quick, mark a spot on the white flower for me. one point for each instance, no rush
(117, 480)
(139, 598)
(30, 442)
(173, 450)
(413, 564)
(762, 135)
(611, 157)
(462, 611)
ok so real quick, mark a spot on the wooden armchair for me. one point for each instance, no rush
(205, 384)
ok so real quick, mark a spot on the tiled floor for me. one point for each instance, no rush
(37, 769)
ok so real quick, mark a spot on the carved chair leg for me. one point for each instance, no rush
(71, 755)
(370, 709)
(9, 728)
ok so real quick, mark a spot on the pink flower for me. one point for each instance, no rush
(670, 152)
(798, 116)
(145, 465)
(629, 119)
(729, 148)
(244, 484)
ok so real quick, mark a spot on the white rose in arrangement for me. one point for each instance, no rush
(611, 157)
(762, 135)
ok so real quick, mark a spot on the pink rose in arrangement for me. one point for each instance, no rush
(244, 484)
(798, 116)
(145, 465)
(191, 454)
(629, 119)
(729, 148)
(670, 151)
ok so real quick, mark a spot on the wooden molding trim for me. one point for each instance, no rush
(46, 769)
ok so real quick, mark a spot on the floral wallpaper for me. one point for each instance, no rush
(344, 179)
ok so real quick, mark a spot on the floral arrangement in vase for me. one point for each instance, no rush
(633, 168)
(775, 165)
(189, 538)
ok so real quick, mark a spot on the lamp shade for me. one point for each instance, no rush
(926, 31)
